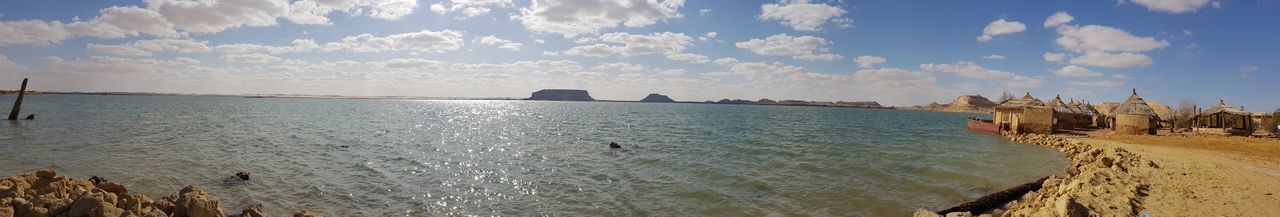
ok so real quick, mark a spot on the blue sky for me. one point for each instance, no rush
(895, 52)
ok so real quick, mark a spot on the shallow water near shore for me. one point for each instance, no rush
(342, 157)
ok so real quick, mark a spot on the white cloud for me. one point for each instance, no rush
(688, 57)
(297, 46)
(865, 62)
(119, 50)
(1175, 6)
(1000, 27)
(619, 67)
(1103, 38)
(817, 57)
(492, 40)
(6, 64)
(1075, 71)
(843, 23)
(249, 58)
(670, 72)
(1057, 19)
(215, 16)
(1024, 82)
(1055, 57)
(802, 48)
(801, 15)
(893, 79)
(114, 22)
(704, 12)
(1121, 76)
(315, 11)
(422, 41)
(708, 36)
(468, 8)
(1249, 68)
(573, 18)
(968, 70)
(1112, 60)
(994, 57)
(1098, 84)
(726, 61)
(146, 47)
(626, 44)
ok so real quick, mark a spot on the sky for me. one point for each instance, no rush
(896, 52)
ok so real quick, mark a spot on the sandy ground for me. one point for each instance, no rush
(1205, 176)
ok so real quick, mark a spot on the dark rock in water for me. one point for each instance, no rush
(31, 117)
(653, 97)
(243, 175)
(96, 180)
(614, 145)
(561, 95)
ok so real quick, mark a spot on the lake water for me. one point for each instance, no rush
(343, 157)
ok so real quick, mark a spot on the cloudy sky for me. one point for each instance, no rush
(897, 52)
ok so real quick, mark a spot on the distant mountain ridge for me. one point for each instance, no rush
(964, 104)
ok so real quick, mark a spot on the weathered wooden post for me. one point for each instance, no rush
(17, 106)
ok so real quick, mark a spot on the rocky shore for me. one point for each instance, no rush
(45, 193)
(1100, 182)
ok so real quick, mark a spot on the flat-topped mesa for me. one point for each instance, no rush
(561, 95)
(653, 97)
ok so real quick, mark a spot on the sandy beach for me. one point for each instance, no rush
(1121, 175)
(1204, 176)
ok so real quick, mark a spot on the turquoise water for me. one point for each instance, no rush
(521, 158)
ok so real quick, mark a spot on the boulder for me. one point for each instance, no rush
(924, 213)
(192, 202)
(653, 97)
(113, 187)
(561, 95)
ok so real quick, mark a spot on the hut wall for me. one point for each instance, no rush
(1036, 119)
(1064, 121)
(1135, 124)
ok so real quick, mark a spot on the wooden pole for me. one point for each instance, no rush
(17, 106)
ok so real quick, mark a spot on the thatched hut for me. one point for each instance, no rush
(1164, 112)
(1024, 115)
(1064, 117)
(1105, 110)
(1134, 117)
(1223, 119)
(1088, 114)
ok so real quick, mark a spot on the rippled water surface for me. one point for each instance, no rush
(521, 158)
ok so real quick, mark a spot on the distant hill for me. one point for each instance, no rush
(653, 97)
(965, 104)
(561, 95)
(15, 92)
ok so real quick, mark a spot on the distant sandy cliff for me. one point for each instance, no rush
(965, 104)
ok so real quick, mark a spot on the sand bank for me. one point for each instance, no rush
(1117, 175)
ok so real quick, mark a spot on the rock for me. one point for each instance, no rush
(113, 187)
(960, 214)
(1073, 171)
(192, 202)
(254, 210)
(614, 145)
(31, 117)
(924, 213)
(96, 180)
(1108, 161)
(6, 211)
(561, 95)
(305, 213)
(243, 175)
(47, 174)
(1068, 207)
(653, 97)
